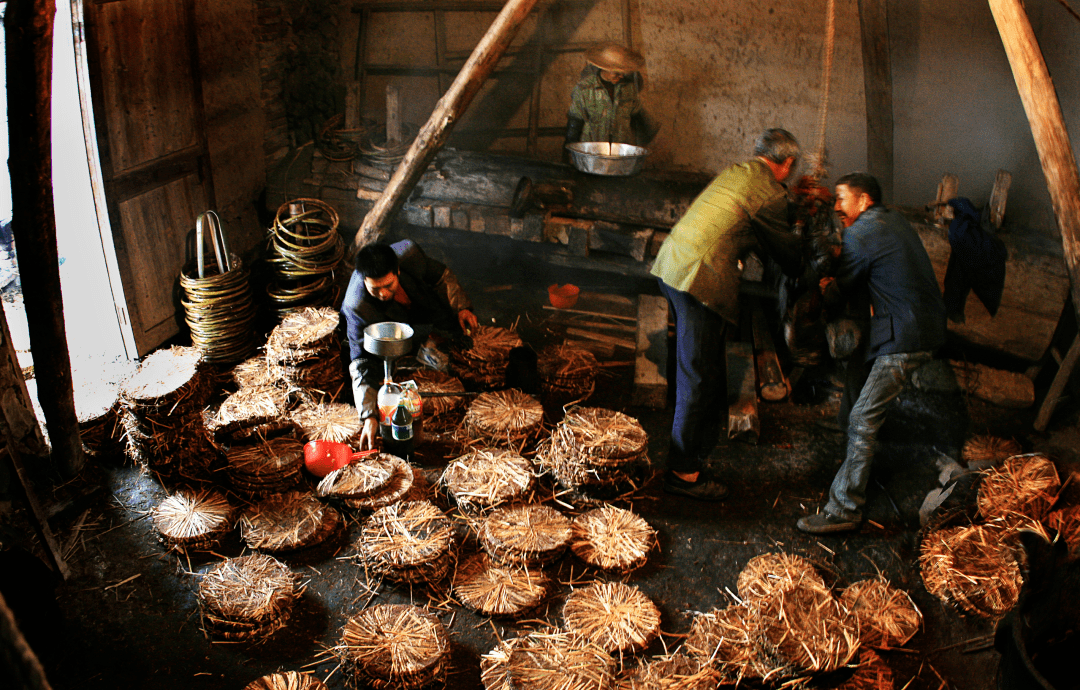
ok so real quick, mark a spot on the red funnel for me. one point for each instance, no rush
(323, 457)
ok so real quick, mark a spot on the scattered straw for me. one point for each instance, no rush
(771, 572)
(612, 538)
(972, 567)
(887, 616)
(286, 680)
(395, 646)
(805, 629)
(483, 479)
(530, 534)
(1024, 485)
(558, 661)
(613, 615)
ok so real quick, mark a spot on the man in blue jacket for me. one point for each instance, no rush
(881, 253)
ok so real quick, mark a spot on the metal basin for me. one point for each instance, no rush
(388, 339)
(602, 158)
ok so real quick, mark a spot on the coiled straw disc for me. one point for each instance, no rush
(987, 450)
(486, 478)
(265, 467)
(395, 646)
(606, 436)
(247, 597)
(612, 538)
(567, 373)
(723, 640)
(483, 365)
(337, 422)
(1066, 521)
(530, 534)
(770, 572)
(303, 334)
(675, 672)
(558, 661)
(871, 673)
(887, 616)
(804, 629)
(498, 590)
(1025, 485)
(288, 680)
(164, 374)
(431, 381)
(254, 372)
(397, 487)
(362, 478)
(407, 542)
(972, 567)
(616, 616)
(282, 522)
(193, 518)
(249, 407)
(495, 664)
(504, 418)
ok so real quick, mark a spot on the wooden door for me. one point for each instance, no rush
(144, 114)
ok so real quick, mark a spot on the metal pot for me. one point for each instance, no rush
(602, 158)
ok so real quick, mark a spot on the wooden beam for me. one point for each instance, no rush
(393, 115)
(651, 353)
(447, 111)
(771, 382)
(1047, 127)
(877, 87)
(1057, 387)
(742, 392)
(998, 197)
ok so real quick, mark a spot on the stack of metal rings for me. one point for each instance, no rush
(305, 250)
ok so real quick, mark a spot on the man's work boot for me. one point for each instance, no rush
(704, 489)
(823, 523)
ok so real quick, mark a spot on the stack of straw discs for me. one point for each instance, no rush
(267, 467)
(162, 405)
(438, 411)
(370, 484)
(675, 672)
(304, 351)
(567, 374)
(289, 521)
(804, 629)
(1025, 486)
(193, 519)
(615, 616)
(612, 538)
(887, 616)
(395, 646)
(768, 573)
(250, 412)
(287, 680)
(971, 567)
(97, 409)
(483, 366)
(483, 479)
(507, 418)
(338, 422)
(255, 372)
(247, 598)
(723, 639)
(530, 534)
(558, 661)
(871, 673)
(219, 310)
(498, 590)
(594, 450)
(988, 451)
(407, 542)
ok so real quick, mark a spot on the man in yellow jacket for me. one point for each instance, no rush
(699, 265)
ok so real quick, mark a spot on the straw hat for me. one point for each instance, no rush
(614, 58)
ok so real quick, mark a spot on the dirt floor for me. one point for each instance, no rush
(129, 616)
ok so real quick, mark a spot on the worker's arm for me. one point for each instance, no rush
(365, 396)
(774, 234)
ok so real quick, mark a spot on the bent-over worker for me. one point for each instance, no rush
(605, 105)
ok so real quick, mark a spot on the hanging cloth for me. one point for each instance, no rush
(977, 261)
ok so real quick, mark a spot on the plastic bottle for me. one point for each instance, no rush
(388, 399)
(402, 422)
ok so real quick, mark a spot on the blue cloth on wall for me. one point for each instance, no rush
(977, 261)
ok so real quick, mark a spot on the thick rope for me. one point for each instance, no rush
(817, 159)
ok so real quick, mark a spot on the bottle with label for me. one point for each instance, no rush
(388, 399)
(401, 424)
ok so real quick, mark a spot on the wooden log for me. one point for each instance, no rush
(771, 382)
(998, 387)
(23, 431)
(1057, 387)
(743, 421)
(447, 111)
(651, 353)
(393, 115)
(1047, 127)
(600, 337)
(29, 32)
(998, 196)
(370, 171)
(21, 484)
(946, 190)
(352, 106)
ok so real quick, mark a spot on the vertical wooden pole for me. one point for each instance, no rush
(29, 30)
(447, 111)
(393, 115)
(1047, 127)
(877, 85)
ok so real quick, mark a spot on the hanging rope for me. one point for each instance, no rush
(817, 159)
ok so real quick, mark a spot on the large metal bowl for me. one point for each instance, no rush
(389, 339)
(602, 158)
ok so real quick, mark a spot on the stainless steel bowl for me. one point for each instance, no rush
(602, 158)
(388, 339)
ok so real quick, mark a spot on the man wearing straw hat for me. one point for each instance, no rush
(396, 282)
(699, 267)
(606, 105)
(883, 254)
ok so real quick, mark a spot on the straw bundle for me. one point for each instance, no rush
(303, 350)
(248, 597)
(97, 410)
(483, 479)
(804, 629)
(723, 639)
(971, 567)
(395, 646)
(401, 482)
(247, 408)
(887, 616)
(871, 673)
(612, 538)
(558, 661)
(266, 467)
(407, 542)
(530, 534)
(494, 666)
(1025, 485)
(483, 365)
(193, 519)
(162, 405)
(616, 616)
(255, 372)
(498, 590)
(431, 381)
(1066, 521)
(594, 449)
(284, 522)
(288, 680)
(362, 478)
(770, 572)
(328, 422)
(675, 672)
(986, 450)
(504, 418)
(567, 374)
